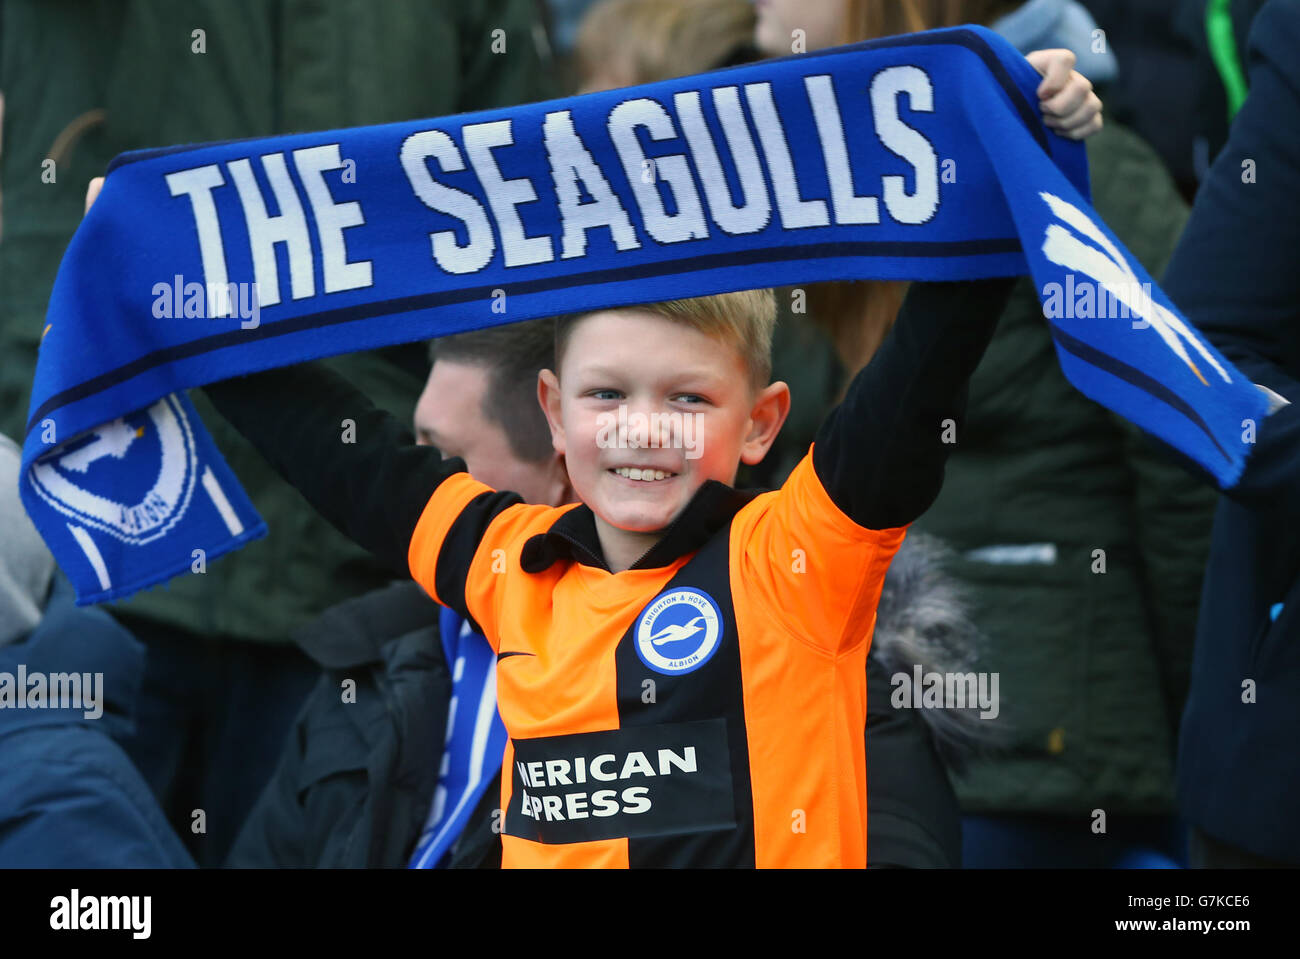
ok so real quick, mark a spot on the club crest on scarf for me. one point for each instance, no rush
(131, 478)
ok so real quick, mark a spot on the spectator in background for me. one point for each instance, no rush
(1093, 666)
(565, 17)
(625, 42)
(69, 796)
(1038, 25)
(1180, 76)
(1234, 276)
(89, 80)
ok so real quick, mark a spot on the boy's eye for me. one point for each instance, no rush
(690, 398)
(604, 394)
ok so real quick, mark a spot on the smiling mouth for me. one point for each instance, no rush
(642, 475)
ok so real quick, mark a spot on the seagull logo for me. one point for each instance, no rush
(112, 439)
(1110, 269)
(687, 621)
(675, 634)
(81, 484)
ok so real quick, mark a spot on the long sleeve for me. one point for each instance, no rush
(354, 463)
(881, 454)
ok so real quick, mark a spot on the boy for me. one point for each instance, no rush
(681, 666)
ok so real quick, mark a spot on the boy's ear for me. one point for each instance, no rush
(765, 420)
(548, 394)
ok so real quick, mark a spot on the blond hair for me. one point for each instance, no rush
(743, 320)
(653, 40)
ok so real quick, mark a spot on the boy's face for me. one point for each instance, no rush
(641, 394)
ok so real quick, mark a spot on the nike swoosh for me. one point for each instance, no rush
(516, 652)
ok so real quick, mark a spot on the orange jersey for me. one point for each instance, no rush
(704, 708)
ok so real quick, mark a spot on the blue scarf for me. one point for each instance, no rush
(919, 157)
(475, 743)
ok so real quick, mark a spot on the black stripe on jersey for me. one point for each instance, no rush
(712, 690)
(460, 544)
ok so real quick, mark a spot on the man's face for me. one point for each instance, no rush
(642, 396)
(820, 21)
(449, 415)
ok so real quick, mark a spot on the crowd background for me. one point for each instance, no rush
(224, 684)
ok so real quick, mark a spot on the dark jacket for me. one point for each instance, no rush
(1169, 89)
(69, 796)
(85, 81)
(356, 779)
(1093, 665)
(1235, 276)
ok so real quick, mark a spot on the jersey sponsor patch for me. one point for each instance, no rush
(640, 781)
(679, 631)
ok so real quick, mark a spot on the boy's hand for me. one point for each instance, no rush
(1070, 107)
(92, 191)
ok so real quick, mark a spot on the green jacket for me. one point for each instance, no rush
(1093, 666)
(89, 80)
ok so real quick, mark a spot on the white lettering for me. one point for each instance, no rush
(332, 219)
(265, 231)
(605, 800)
(557, 771)
(636, 763)
(685, 762)
(480, 244)
(688, 222)
(920, 206)
(849, 207)
(597, 767)
(198, 184)
(637, 795)
(796, 213)
(572, 162)
(756, 212)
(505, 195)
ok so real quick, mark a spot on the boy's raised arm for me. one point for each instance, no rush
(367, 478)
(880, 455)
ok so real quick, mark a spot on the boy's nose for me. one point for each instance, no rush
(647, 427)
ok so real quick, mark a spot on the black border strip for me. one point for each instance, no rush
(1136, 378)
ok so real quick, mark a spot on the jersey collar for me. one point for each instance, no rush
(573, 535)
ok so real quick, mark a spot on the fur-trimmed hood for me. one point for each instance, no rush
(923, 620)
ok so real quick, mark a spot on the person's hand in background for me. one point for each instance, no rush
(1069, 105)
